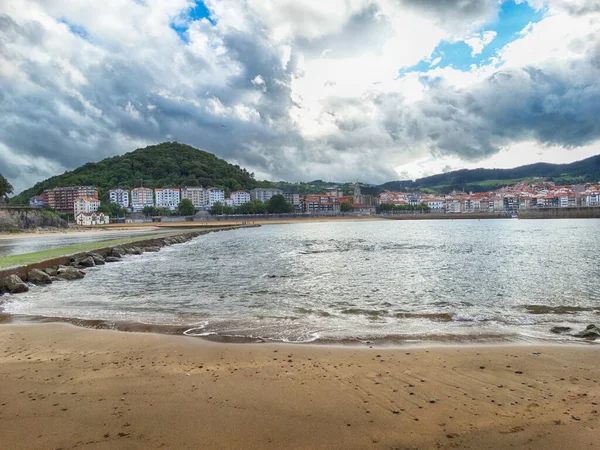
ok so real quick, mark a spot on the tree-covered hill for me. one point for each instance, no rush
(481, 180)
(169, 164)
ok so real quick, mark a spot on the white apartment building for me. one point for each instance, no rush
(197, 195)
(264, 194)
(140, 198)
(240, 197)
(215, 195)
(167, 198)
(436, 204)
(120, 197)
(85, 205)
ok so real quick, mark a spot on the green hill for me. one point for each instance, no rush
(169, 164)
(481, 180)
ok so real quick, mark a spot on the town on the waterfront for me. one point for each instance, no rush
(87, 209)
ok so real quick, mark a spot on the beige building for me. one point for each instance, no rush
(85, 205)
(141, 197)
(197, 195)
(91, 219)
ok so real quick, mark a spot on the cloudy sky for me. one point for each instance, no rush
(373, 90)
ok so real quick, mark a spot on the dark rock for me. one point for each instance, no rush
(152, 249)
(69, 273)
(13, 285)
(590, 332)
(118, 252)
(559, 330)
(87, 261)
(50, 271)
(98, 259)
(38, 277)
(135, 251)
(111, 259)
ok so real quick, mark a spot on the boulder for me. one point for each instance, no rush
(69, 273)
(118, 252)
(590, 332)
(559, 330)
(135, 251)
(152, 249)
(111, 259)
(87, 261)
(98, 259)
(13, 285)
(38, 276)
(50, 271)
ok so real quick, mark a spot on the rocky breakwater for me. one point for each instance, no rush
(73, 267)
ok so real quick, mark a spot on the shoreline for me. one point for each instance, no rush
(72, 387)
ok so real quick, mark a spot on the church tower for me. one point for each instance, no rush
(357, 195)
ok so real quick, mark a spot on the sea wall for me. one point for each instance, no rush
(449, 216)
(560, 213)
(135, 247)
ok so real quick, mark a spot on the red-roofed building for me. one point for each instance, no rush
(85, 205)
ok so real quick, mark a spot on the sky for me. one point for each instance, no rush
(341, 90)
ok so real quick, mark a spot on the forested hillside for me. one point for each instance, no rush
(169, 164)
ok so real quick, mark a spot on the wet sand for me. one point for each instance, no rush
(67, 387)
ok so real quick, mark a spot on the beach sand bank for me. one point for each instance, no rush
(67, 387)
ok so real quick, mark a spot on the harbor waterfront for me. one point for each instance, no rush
(364, 281)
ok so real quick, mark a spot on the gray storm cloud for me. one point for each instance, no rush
(68, 97)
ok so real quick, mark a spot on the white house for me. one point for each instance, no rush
(436, 204)
(197, 195)
(141, 197)
(228, 201)
(263, 194)
(215, 195)
(240, 197)
(92, 218)
(120, 197)
(167, 198)
(85, 205)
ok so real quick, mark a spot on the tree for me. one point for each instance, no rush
(278, 205)
(346, 207)
(186, 207)
(112, 209)
(5, 187)
(217, 209)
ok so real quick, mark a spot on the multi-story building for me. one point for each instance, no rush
(228, 201)
(264, 194)
(141, 197)
(294, 199)
(240, 197)
(85, 205)
(215, 195)
(167, 198)
(197, 195)
(321, 203)
(120, 197)
(436, 204)
(63, 198)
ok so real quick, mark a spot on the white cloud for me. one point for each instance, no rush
(480, 41)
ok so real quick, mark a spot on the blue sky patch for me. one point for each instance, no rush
(74, 28)
(198, 12)
(513, 18)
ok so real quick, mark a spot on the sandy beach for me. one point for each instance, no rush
(67, 387)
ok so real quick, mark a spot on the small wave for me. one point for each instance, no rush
(363, 312)
(545, 309)
(438, 317)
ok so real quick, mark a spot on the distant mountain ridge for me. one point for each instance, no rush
(172, 164)
(481, 180)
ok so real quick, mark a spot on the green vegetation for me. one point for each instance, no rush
(31, 258)
(390, 207)
(276, 205)
(164, 165)
(112, 209)
(346, 207)
(186, 207)
(151, 211)
(5, 187)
